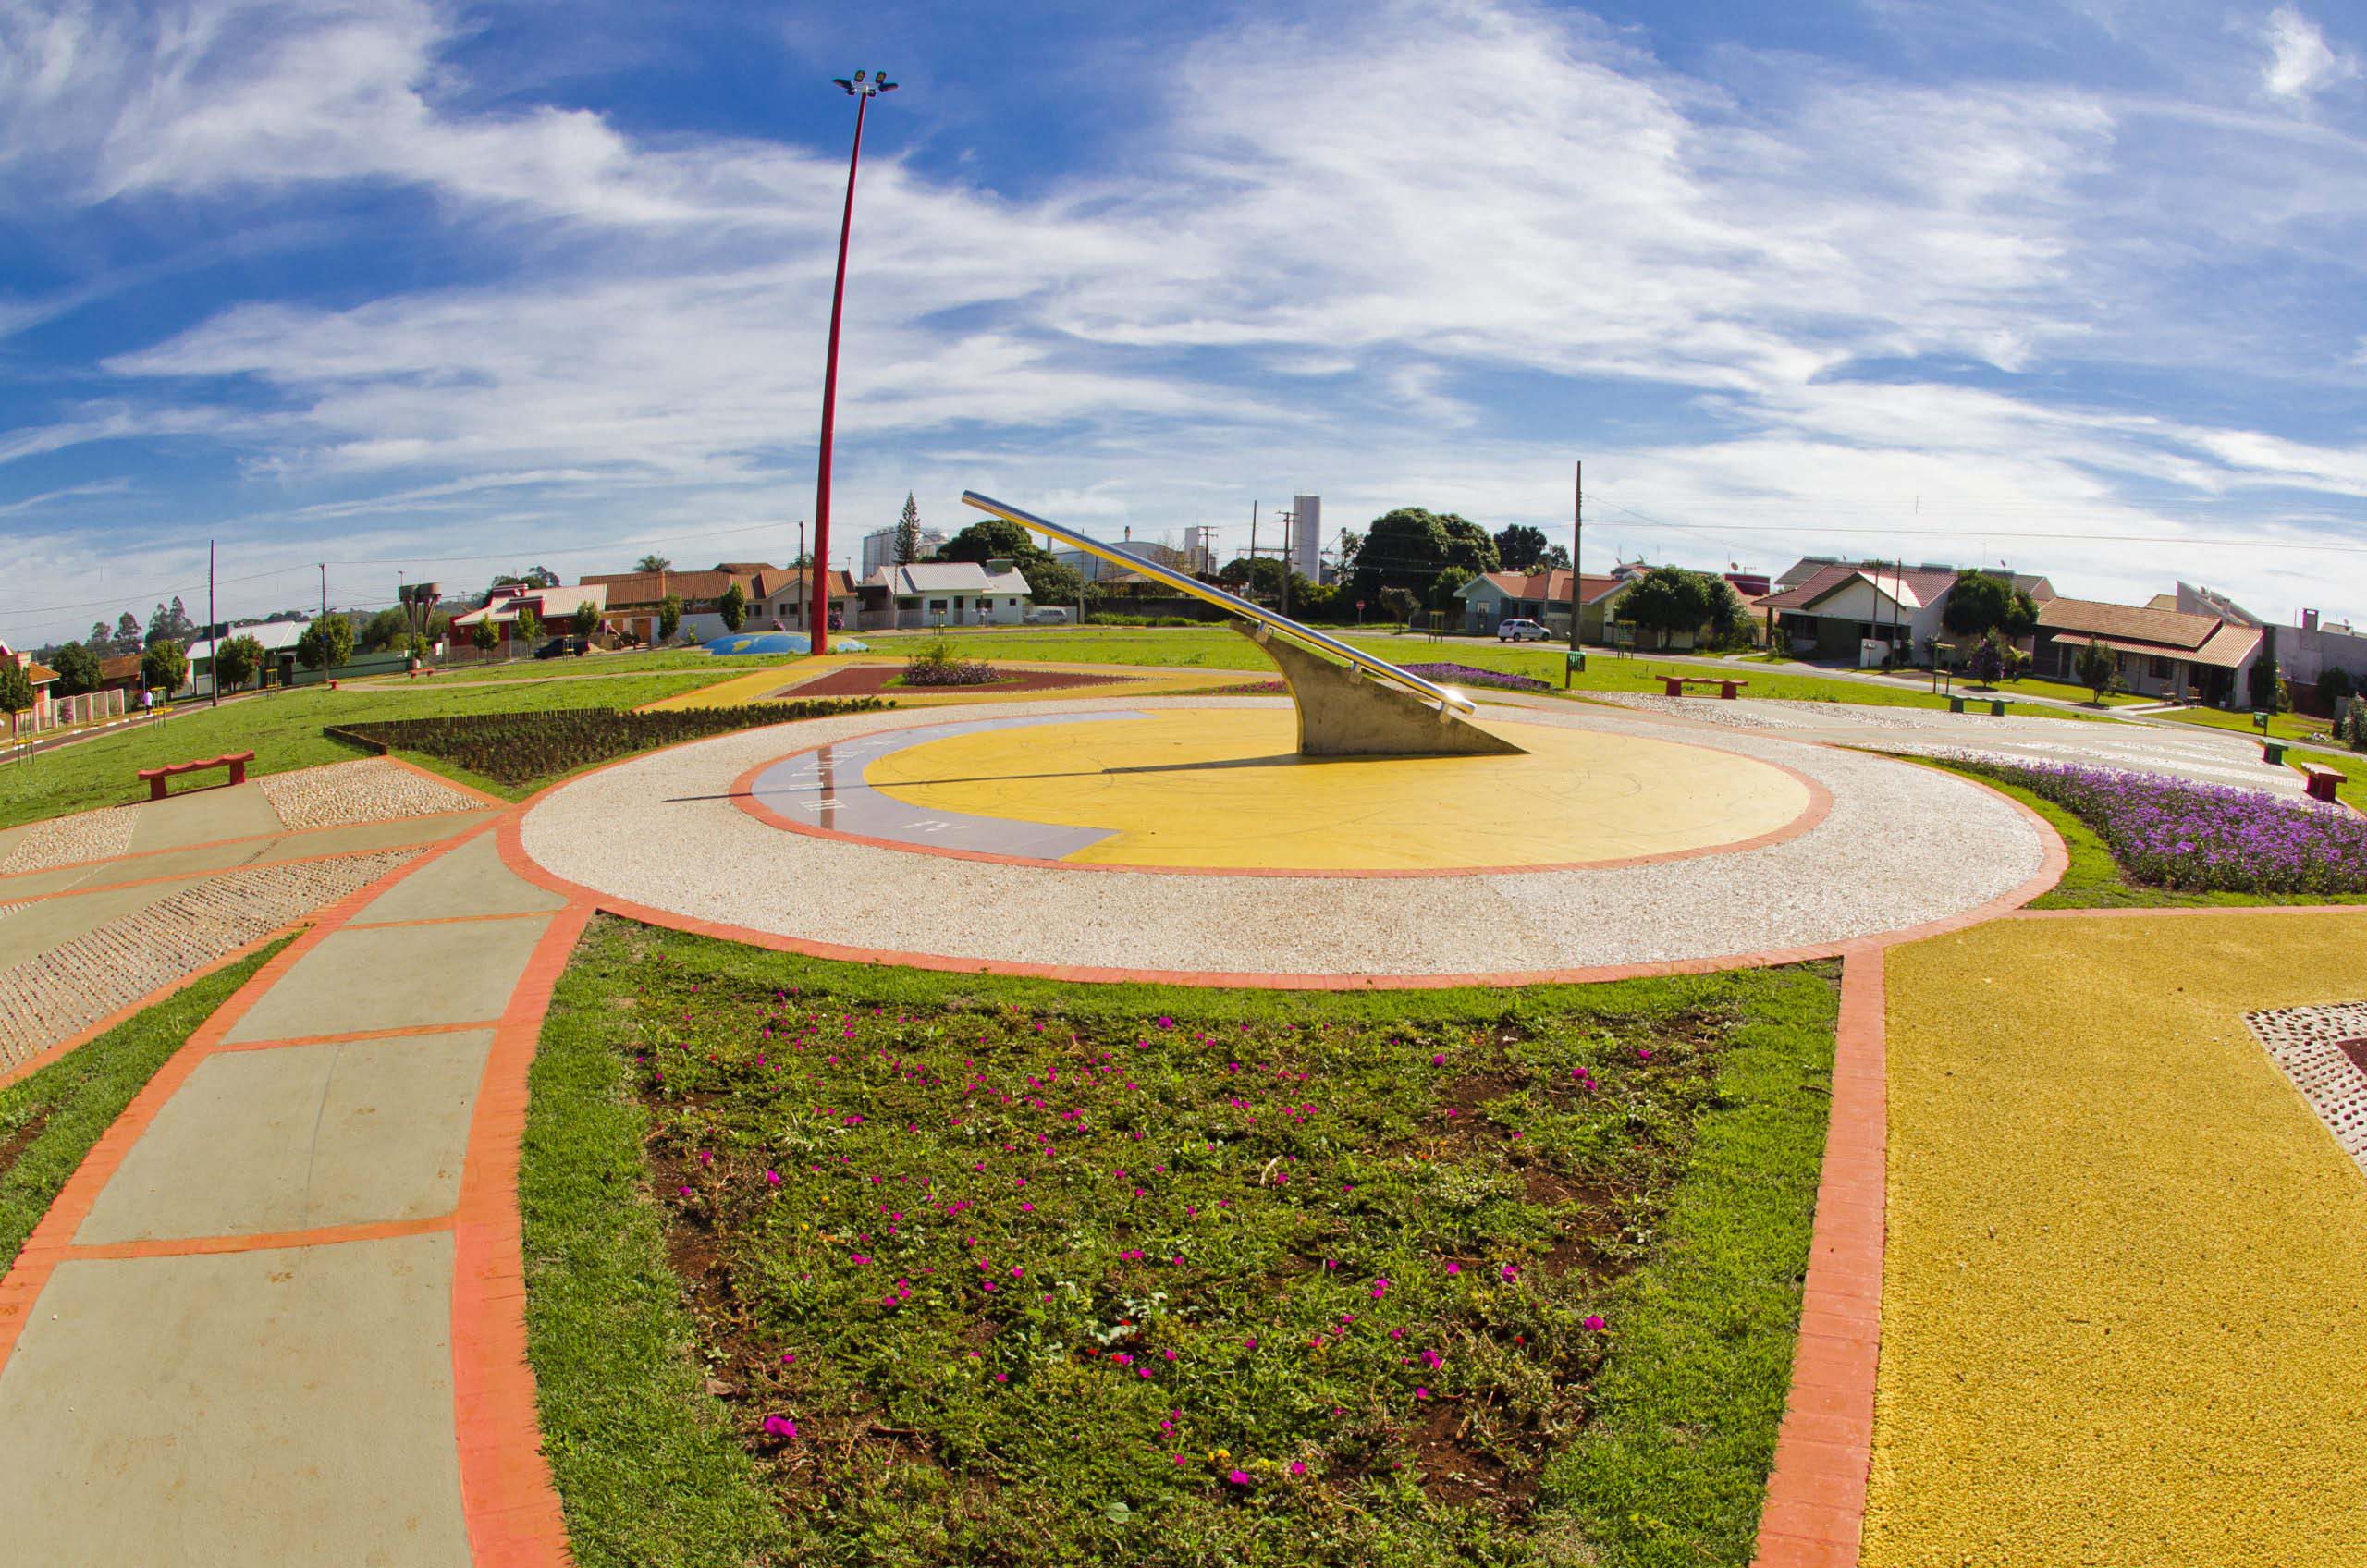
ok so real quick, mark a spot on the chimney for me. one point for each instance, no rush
(2308, 620)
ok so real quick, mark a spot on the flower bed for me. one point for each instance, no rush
(2200, 838)
(518, 749)
(1039, 1276)
(1465, 675)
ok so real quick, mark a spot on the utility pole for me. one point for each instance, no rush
(213, 631)
(1577, 535)
(324, 590)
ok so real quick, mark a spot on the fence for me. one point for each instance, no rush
(65, 712)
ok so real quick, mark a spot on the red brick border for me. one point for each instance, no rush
(1816, 1494)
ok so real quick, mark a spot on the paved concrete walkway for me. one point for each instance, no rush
(276, 1317)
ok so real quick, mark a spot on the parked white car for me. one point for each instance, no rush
(1521, 631)
(1047, 615)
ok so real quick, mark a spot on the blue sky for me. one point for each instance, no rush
(438, 290)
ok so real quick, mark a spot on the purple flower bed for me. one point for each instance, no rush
(2203, 837)
(1464, 675)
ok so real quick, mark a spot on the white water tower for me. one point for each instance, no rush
(1307, 537)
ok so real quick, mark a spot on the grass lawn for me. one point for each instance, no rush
(846, 1264)
(1216, 647)
(49, 1121)
(283, 729)
(2281, 726)
(2095, 880)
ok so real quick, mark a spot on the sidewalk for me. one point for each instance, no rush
(275, 1317)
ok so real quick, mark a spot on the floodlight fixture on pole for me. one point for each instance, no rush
(863, 89)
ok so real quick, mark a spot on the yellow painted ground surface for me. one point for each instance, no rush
(1227, 789)
(779, 682)
(2125, 1300)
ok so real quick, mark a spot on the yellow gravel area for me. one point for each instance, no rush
(779, 682)
(2125, 1290)
(1228, 789)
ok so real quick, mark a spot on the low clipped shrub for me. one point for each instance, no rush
(936, 665)
(525, 747)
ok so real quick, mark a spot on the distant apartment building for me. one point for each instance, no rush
(880, 549)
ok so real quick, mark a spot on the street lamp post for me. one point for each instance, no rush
(863, 89)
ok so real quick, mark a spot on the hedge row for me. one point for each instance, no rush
(520, 748)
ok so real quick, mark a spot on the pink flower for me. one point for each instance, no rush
(1432, 1359)
(1239, 1478)
(1594, 1324)
(1422, 1393)
(1454, 1268)
(772, 1178)
(1298, 1466)
(1509, 1272)
(779, 1427)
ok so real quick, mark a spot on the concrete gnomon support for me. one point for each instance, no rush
(1344, 709)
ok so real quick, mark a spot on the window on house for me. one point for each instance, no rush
(2158, 667)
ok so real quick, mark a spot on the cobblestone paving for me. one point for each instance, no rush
(368, 789)
(72, 985)
(89, 835)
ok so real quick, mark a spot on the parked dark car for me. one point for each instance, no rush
(559, 647)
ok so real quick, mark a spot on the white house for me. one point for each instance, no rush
(929, 593)
(1843, 604)
(279, 668)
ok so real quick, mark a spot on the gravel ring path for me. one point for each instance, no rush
(1902, 846)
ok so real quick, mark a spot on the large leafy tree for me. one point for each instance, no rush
(1446, 585)
(1982, 601)
(1408, 548)
(100, 640)
(163, 669)
(78, 669)
(236, 661)
(587, 615)
(326, 643)
(1053, 582)
(992, 539)
(15, 690)
(1669, 599)
(1520, 548)
(127, 633)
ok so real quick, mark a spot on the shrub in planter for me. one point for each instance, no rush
(936, 665)
(521, 748)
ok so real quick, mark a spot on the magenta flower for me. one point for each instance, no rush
(1594, 1323)
(1454, 1268)
(1239, 1478)
(779, 1427)
(1298, 1466)
(1422, 1393)
(772, 1178)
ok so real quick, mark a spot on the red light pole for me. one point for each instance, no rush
(817, 628)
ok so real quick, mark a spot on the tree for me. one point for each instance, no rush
(1988, 661)
(653, 563)
(1403, 549)
(991, 539)
(326, 643)
(163, 669)
(529, 625)
(734, 608)
(2267, 683)
(1556, 559)
(15, 690)
(127, 633)
(908, 532)
(386, 629)
(2099, 669)
(587, 615)
(1262, 576)
(1053, 582)
(236, 661)
(1444, 586)
(1399, 604)
(1669, 599)
(1982, 601)
(1468, 545)
(100, 640)
(1520, 548)
(78, 669)
(1352, 544)
(670, 616)
(486, 638)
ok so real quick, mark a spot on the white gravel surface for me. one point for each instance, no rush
(1901, 846)
(367, 790)
(65, 840)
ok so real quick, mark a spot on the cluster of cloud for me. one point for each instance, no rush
(1361, 261)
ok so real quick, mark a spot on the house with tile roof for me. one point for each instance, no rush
(780, 604)
(1833, 609)
(1542, 597)
(930, 593)
(43, 681)
(2172, 653)
(554, 607)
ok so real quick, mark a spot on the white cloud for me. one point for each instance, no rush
(2300, 62)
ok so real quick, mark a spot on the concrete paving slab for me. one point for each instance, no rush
(202, 815)
(55, 922)
(469, 880)
(395, 978)
(291, 1407)
(300, 1138)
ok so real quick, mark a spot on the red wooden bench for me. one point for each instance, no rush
(1674, 685)
(2321, 782)
(235, 761)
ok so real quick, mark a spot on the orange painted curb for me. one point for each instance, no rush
(508, 1499)
(1816, 1493)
